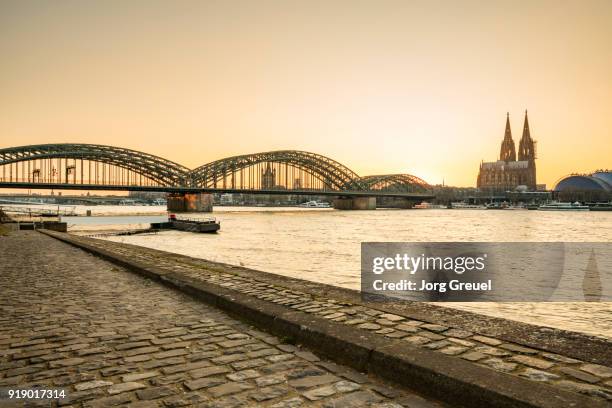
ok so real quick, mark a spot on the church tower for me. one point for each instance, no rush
(507, 152)
(526, 146)
(527, 152)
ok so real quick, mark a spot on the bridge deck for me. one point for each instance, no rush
(169, 189)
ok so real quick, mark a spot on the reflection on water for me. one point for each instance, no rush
(324, 246)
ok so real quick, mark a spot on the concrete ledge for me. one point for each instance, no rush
(456, 381)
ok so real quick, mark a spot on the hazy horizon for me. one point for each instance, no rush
(419, 87)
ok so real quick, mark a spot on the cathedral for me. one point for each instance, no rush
(508, 173)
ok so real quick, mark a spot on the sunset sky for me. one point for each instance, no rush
(383, 86)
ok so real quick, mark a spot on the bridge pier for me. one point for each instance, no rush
(396, 202)
(190, 202)
(355, 203)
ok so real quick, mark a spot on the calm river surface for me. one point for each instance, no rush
(324, 245)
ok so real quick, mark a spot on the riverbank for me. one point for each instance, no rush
(108, 337)
(469, 358)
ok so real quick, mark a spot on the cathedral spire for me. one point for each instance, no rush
(507, 151)
(526, 145)
(526, 134)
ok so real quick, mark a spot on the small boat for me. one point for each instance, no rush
(315, 204)
(428, 206)
(187, 224)
(496, 206)
(464, 206)
(563, 207)
(210, 225)
(600, 207)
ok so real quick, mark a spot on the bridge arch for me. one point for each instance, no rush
(396, 183)
(160, 170)
(331, 173)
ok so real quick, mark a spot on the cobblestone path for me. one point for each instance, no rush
(110, 337)
(536, 365)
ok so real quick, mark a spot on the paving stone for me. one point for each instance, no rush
(170, 353)
(369, 326)
(204, 383)
(560, 359)
(271, 380)
(431, 336)
(395, 334)
(137, 359)
(141, 350)
(66, 362)
(234, 343)
(588, 389)
(386, 391)
(320, 393)
(313, 381)
(208, 371)
(172, 361)
(346, 386)
(458, 333)
(473, 356)
(92, 384)
(80, 396)
(492, 351)
(580, 375)
(109, 401)
(598, 370)
(500, 365)
(538, 375)
(243, 375)
(532, 362)
(125, 387)
(354, 400)
(185, 367)
(170, 379)
(518, 349)
(487, 340)
(385, 322)
(228, 389)
(268, 393)
(438, 328)
(307, 355)
(290, 403)
(436, 345)
(453, 350)
(407, 328)
(417, 340)
(385, 330)
(155, 393)
(112, 371)
(391, 317)
(139, 376)
(355, 377)
(461, 342)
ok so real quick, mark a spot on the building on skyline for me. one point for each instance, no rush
(596, 186)
(268, 177)
(508, 173)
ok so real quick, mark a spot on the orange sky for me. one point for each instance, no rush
(382, 86)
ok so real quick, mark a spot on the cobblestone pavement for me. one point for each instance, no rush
(536, 365)
(110, 337)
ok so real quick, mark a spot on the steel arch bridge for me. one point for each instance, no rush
(73, 166)
(331, 174)
(395, 182)
(153, 168)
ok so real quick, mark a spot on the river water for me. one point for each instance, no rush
(324, 245)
